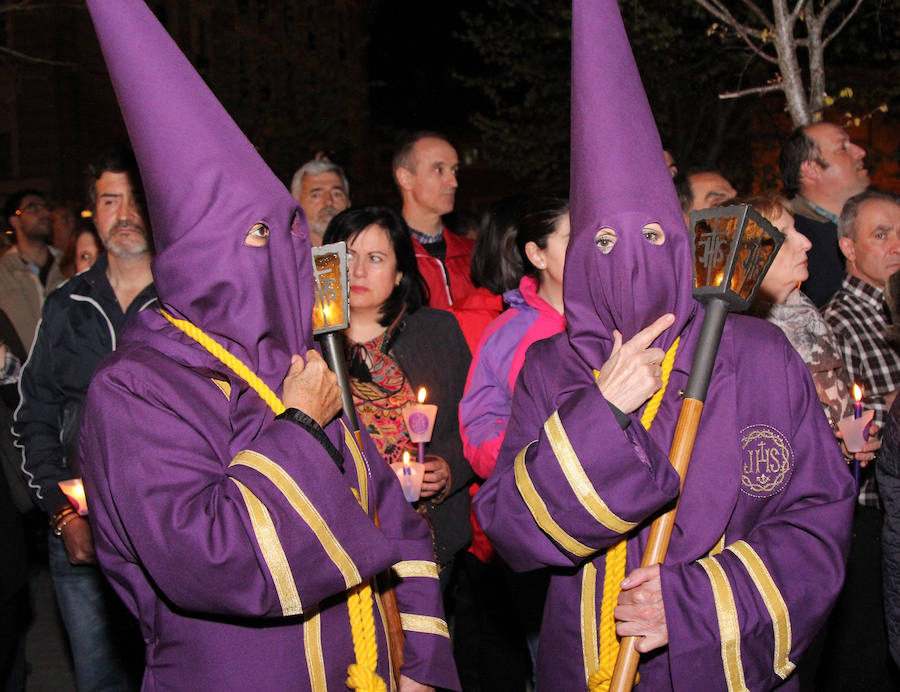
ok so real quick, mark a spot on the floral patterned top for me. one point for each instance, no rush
(380, 392)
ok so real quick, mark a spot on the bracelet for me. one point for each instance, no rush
(58, 529)
(56, 517)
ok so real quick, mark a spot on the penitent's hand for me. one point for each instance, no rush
(633, 372)
(640, 611)
(312, 388)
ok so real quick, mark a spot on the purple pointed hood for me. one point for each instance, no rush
(206, 188)
(619, 180)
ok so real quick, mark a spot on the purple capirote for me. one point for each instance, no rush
(758, 550)
(232, 536)
(619, 180)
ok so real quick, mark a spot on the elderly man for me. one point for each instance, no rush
(757, 552)
(323, 191)
(234, 515)
(821, 168)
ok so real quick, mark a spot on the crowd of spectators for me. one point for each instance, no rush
(432, 307)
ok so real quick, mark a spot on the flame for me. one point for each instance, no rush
(422, 394)
(77, 492)
(857, 392)
(719, 278)
(406, 458)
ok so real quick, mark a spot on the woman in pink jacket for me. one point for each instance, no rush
(535, 312)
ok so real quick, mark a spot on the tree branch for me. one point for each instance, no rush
(764, 18)
(798, 8)
(29, 6)
(767, 89)
(718, 10)
(840, 27)
(35, 59)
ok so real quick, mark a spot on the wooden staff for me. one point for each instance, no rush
(680, 457)
(333, 352)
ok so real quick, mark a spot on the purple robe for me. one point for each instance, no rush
(762, 418)
(757, 554)
(230, 535)
(168, 484)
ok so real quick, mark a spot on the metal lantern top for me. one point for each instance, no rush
(331, 311)
(734, 247)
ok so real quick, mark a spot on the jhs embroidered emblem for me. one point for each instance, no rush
(768, 461)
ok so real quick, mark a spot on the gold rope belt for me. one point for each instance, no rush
(614, 572)
(362, 674)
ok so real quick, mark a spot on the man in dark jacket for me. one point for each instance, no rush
(79, 326)
(821, 169)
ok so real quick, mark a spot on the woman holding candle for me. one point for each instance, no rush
(781, 302)
(395, 344)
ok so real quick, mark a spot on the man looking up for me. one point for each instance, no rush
(30, 270)
(323, 191)
(821, 168)
(81, 321)
(425, 170)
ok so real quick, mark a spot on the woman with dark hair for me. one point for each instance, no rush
(535, 312)
(495, 265)
(538, 247)
(81, 252)
(395, 344)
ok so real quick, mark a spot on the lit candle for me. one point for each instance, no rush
(410, 476)
(857, 398)
(420, 421)
(73, 489)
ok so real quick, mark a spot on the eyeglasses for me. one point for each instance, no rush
(33, 208)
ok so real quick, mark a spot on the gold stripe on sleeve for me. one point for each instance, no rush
(718, 547)
(578, 480)
(312, 643)
(416, 568)
(590, 647)
(425, 624)
(771, 596)
(273, 553)
(539, 510)
(729, 629)
(224, 385)
(362, 471)
(302, 505)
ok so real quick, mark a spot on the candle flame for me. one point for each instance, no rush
(719, 278)
(406, 458)
(857, 392)
(422, 394)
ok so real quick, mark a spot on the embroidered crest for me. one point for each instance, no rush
(768, 461)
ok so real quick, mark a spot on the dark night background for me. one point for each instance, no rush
(352, 77)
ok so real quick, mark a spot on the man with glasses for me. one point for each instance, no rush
(30, 269)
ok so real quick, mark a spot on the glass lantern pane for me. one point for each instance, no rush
(754, 252)
(712, 240)
(328, 309)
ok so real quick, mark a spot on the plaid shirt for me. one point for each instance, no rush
(858, 317)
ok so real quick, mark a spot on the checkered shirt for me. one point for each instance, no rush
(858, 317)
